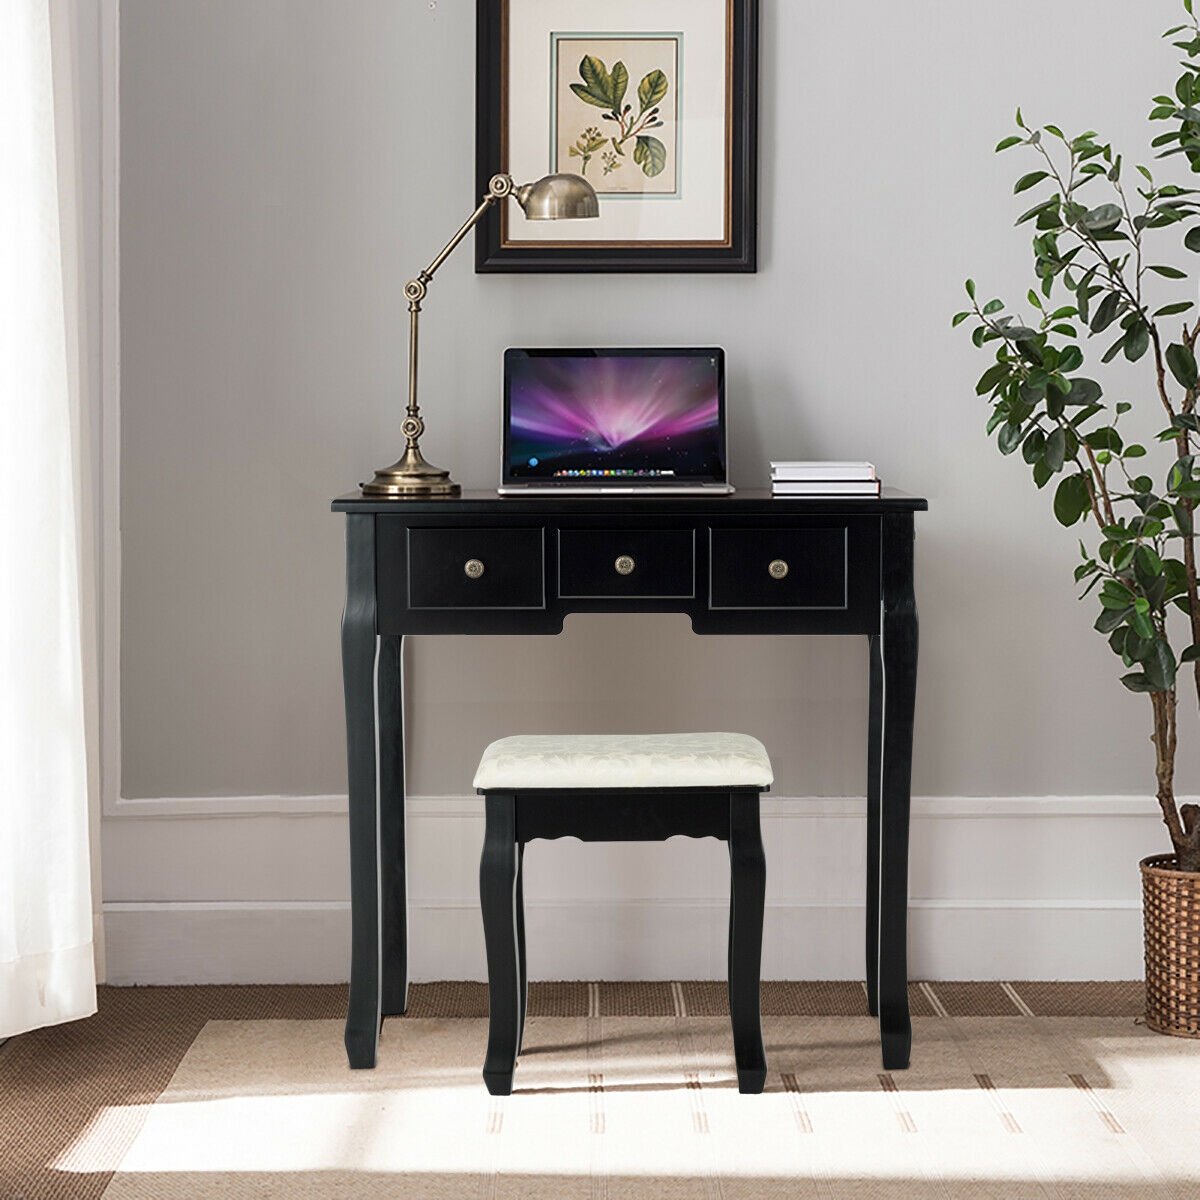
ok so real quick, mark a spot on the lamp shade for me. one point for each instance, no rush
(558, 198)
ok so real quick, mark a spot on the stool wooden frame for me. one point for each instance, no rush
(517, 817)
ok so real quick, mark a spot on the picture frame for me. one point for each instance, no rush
(655, 102)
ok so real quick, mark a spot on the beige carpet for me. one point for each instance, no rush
(626, 1090)
(647, 1107)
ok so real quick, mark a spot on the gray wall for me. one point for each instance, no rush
(287, 164)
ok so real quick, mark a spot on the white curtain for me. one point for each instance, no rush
(47, 971)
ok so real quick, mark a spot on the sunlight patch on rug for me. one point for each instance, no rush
(648, 1106)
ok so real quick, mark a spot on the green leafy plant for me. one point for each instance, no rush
(606, 89)
(1094, 222)
(586, 144)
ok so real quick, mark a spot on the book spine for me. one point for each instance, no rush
(826, 489)
(846, 475)
(823, 479)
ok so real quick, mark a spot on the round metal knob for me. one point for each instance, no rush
(777, 568)
(473, 568)
(624, 565)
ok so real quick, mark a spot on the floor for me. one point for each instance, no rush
(624, 1090)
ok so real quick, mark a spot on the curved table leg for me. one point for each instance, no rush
(393, 866)
(898, 651)
(360, 651)
(874, 762)
(522, 973)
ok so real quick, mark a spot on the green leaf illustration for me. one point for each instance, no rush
(599, 82)
(587, 96)
(620, 81)
(650, 154)
(586, 145)
(651, 90)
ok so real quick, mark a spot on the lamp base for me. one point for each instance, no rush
(411, 478)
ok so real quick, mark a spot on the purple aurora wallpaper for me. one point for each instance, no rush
(614, 417)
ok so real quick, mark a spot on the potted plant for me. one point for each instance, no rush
(1098, 226)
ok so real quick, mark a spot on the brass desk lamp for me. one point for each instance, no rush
(552, 198)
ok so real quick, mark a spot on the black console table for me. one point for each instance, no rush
(737, 564)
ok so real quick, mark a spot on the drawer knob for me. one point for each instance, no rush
(624, 565)
(473, 568)
(778, 569)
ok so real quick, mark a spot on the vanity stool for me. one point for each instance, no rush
(620, 788)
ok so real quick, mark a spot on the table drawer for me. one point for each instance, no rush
(602, 563)
(779, 568)
(476, 568)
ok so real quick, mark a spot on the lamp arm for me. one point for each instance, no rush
(449, 247)
(499, 187)
(415, 290)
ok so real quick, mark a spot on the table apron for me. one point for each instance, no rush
(752, 574)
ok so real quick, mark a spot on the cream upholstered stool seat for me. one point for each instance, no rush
(581, 760)
(620, 787)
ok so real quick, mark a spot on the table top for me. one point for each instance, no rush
(744, 500)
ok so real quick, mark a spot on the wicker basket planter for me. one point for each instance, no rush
(1171, 906)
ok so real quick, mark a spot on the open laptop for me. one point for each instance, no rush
(624, 422)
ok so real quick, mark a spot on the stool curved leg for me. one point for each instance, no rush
(497, 893)
(747, 896)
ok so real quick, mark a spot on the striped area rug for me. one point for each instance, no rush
(623, 1090)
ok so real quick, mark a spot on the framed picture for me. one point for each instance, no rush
(654, 102)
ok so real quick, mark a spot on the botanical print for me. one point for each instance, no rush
(630, 146)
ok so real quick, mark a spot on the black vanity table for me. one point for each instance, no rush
(740, 564)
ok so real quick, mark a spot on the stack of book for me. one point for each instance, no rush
(832, 479)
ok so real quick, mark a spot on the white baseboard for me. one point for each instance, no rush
(227, 942)
(258, 895)
(308, 942)
(793, 806)
(99, 948)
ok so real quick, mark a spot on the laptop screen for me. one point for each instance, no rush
(614, 416)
